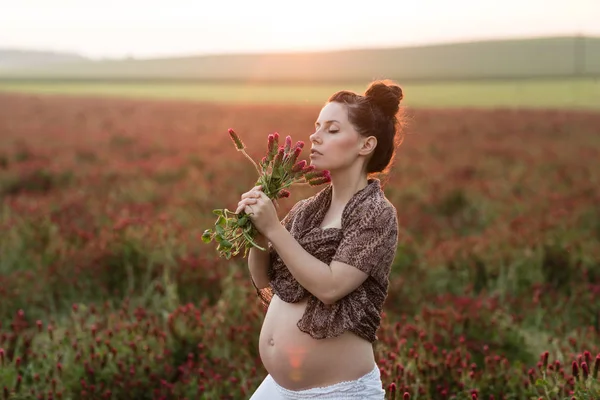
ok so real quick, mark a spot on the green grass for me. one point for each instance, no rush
(557, 93)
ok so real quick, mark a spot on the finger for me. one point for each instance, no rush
(255, 189)
(251, 194)
(247, 201)
(251, 191)
(244, 203)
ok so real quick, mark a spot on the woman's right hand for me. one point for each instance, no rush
(249, 198)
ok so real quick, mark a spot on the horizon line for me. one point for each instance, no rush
(336, 49)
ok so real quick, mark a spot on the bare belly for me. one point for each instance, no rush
(296, 361)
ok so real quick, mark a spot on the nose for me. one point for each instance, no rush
(314, 137)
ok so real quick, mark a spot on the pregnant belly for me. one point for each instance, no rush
(296, 361)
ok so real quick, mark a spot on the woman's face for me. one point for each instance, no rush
(335, 139)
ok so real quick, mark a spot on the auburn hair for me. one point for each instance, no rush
(376, 113)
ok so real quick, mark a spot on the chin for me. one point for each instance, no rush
(317, 166)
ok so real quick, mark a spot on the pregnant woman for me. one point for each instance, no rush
(326, 274)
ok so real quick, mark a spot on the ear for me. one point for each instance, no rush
(367, 145)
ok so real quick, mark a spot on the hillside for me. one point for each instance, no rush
(504, 59)
(17, 58)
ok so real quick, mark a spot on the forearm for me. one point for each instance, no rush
(258, 264)
(310, 272)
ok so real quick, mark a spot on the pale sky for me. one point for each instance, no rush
(151, 28)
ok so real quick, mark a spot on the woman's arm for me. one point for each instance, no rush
(368, 246)
(258, 263)
(311, 273)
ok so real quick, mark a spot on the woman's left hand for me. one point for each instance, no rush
(260, 209)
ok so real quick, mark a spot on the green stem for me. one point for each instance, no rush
(287, 185)
(249, 238)
(230, 230)
(237, 237)
(252, 161)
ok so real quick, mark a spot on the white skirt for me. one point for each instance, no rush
(367, 387)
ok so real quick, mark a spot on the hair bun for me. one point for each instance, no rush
(385, 96)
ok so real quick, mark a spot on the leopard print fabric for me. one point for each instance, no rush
(368, 240)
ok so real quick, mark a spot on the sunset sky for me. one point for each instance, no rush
(144, 29)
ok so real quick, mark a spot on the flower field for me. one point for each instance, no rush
(108, 292)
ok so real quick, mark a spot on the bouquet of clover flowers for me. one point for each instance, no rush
(277, 171)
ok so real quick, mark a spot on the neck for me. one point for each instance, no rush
(344, 185)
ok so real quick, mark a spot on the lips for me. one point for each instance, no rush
(313, 151)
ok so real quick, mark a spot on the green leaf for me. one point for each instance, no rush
(207, 236)
(226, 244)
(221, 221)
(541, 382)
(219, 230)
(218, 212)
(242, 221)
(276, 173)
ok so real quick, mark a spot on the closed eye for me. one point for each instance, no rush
(329, 122)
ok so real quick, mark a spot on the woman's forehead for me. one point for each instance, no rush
(333, 112)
